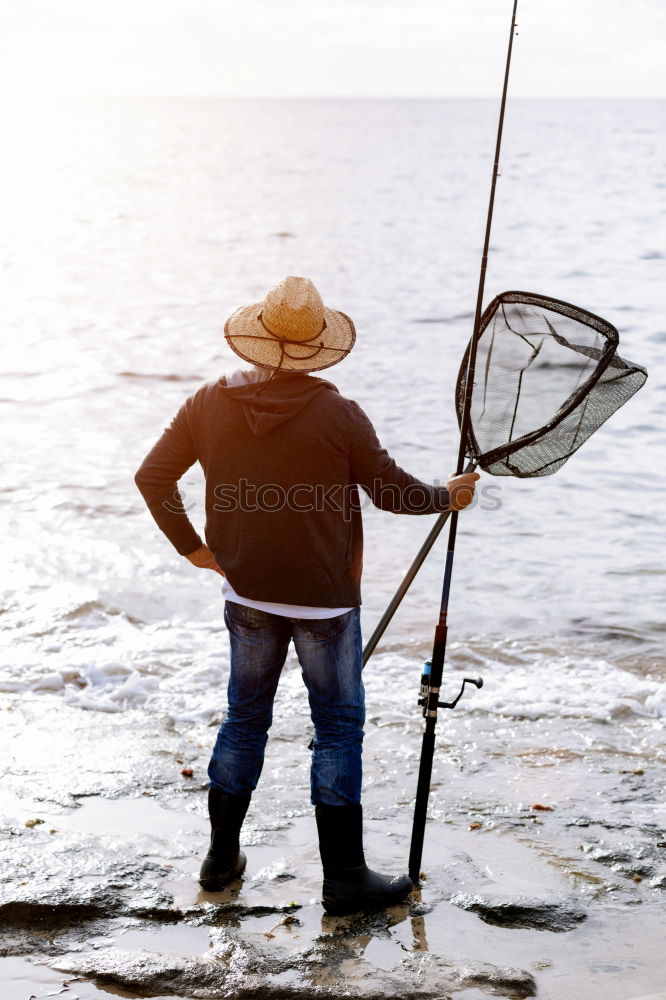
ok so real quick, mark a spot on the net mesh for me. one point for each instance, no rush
(547, 376)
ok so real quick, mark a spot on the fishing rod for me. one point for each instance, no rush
(432, 674)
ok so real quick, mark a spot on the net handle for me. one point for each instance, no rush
(408, 579)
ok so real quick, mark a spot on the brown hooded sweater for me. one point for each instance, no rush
(283, 460)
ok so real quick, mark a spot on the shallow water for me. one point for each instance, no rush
(133, 228)
(141, 224)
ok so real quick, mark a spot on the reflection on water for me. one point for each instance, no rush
(132, 229)
(419, 940)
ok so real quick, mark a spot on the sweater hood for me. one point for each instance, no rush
(273, 401)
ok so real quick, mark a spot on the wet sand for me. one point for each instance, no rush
(102, 836)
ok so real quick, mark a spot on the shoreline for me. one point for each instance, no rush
(516, 902)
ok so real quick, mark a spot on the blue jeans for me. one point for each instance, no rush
(329, 651)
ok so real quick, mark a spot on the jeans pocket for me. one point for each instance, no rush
(244, 619)
(322, 628)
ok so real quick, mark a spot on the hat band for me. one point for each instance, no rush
(288, 340)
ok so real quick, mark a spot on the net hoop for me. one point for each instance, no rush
(611, 340)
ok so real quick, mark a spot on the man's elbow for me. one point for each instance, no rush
(141, 479)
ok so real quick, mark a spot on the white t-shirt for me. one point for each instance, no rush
(244, 377)
(286, 610)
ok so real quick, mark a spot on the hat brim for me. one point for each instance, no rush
(249, 338)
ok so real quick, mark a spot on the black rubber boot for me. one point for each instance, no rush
(224, 861)
(349, 885)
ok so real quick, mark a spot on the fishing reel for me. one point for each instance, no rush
(426, 690)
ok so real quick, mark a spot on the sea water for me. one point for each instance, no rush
(133, 228)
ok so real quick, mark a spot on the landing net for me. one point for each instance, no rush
(547, 376)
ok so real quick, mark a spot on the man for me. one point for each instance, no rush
(283, 454)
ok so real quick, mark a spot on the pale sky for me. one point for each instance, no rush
(310, 48)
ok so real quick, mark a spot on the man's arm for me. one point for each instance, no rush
(390, 487)
(157, 479)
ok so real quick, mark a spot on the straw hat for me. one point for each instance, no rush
(291, 330)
